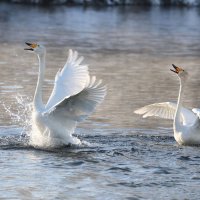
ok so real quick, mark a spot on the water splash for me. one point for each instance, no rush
(42, 137)
(22, 115)
(20, 112)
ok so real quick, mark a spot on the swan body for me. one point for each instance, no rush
(74, 97)
(186, 122)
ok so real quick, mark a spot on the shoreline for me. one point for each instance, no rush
(99, 3)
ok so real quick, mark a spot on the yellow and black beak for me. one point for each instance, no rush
(31, 45)
(177, 69)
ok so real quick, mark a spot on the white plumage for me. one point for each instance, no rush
(186, 123)
(167, 110)
(74, 97)
(70, 80)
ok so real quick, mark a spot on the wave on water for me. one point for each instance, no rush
(112, 2)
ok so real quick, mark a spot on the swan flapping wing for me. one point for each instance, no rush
(69, 81)
(79, 106)
(166, 110)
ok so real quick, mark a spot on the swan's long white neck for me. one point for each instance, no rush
(177, 120)
(38, 103)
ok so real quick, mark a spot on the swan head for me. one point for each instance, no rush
(37, 48)
(180, 72)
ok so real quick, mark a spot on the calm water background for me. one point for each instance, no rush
(126, 157)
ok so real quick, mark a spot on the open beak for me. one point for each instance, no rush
(31, 45)
(177, 69)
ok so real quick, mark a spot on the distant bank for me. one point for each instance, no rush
(110, 2)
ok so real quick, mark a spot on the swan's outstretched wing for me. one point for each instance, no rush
(79, 106)
(69, 81)
(166, 110)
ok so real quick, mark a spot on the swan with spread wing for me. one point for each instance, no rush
(74, 97)
(186, 124)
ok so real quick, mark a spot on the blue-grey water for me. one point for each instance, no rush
(123, 156)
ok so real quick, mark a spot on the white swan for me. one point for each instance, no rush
(74, 97)
(186, 123)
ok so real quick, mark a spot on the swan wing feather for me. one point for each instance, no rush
(69, 81)
(166, 110)
(79, 106)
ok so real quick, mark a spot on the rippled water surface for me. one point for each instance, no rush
(123, 156)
